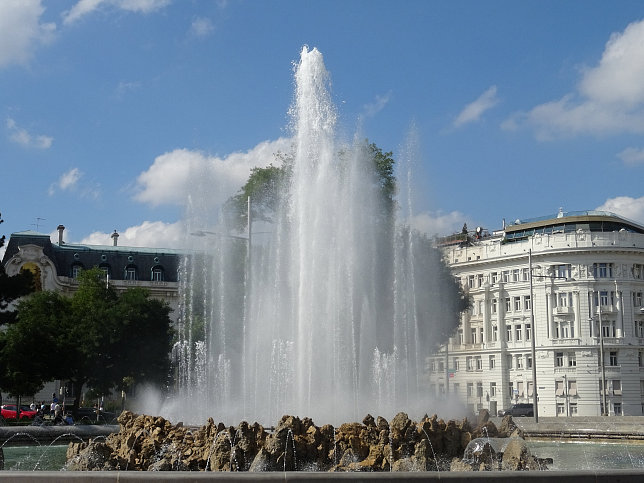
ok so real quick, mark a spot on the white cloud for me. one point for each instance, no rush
(153, 234)
(373, 108)
(23, 137)
(608, 99)
(175, 175)
(86, 7)
(201, 27)
(631, 208)
(473, 111)
(21, 31)
(66, 181)
(438, 223)
(632, 156)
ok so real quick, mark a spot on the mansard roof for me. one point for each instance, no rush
(65, 255)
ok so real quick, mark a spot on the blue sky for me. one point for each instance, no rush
(520, 108)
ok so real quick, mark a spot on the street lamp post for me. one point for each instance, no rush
(535, 398)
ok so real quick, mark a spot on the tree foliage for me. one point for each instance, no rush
(12, 288)
(96, 337)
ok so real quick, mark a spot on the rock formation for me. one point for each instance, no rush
(151, 443)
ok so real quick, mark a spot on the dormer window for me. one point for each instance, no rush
(130, 272)
(157, 273)
(77, 268)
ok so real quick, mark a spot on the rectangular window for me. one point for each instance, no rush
(456, 364)
(509, 359)
(470, 388)
(468, 363)
(530, 389)
(612, 359)
(609, 328)
(519, 362)
(494, 306)
(520, 388)
(617, 387)
(492, 361)
(559, 359)
(460, 336)
(572, 388)
(638, 271)
(479, 363)
(525, 274)
(508, 306)
(640, 359)
(639, 328)
(479, 389)
(494, 277)
(573, 409)
(508, 333)
(470, 281)
(527, 303)
(130, 273)
(561, 271)
(473, 335)
(642, 388)
(559, 388)
(517, 332)
(528, 361)
(493, 389)
(617, 409)
(561, 409)
(495, 333)
(517, 304)
(515, 275)
(479, 280)
(572, 359)
(511, 389)
(603, 270)
(157, 275)
(505, 276)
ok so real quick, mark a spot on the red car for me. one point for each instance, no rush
(9, 412)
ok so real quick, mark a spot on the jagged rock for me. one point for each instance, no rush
(516, 455)
(460, 465)
(483, 417)
(154, 444)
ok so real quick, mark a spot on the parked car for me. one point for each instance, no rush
(88, 416)
(523, 409)
(9, 412)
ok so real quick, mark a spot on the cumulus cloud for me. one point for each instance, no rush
(631, 208)
(175, 175)
(632, 156)
(201, 27)
(21, 30)
(66, 181)
(23, 137)
(153, 234)
(86, 7)
(473, 111)
(438, 223)
(609, 97)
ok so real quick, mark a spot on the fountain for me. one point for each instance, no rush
(330, 314)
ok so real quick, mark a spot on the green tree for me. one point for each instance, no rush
(12, 288)
(96, 337)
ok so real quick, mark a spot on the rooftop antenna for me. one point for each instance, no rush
(37, 224)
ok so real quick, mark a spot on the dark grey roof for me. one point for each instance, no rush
(65, 256)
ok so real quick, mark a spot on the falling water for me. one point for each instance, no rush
(318, 317)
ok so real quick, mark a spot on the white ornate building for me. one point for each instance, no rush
(586, 267)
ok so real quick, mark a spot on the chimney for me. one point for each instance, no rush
(61, 229)
(115, 237)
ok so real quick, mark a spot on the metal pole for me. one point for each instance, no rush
(533, 330)
(601, 352)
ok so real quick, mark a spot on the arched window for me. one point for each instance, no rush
(130, 272)
(156, 274)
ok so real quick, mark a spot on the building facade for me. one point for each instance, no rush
(56, 267)
(574, 282)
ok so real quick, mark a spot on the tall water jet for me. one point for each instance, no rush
(331, 311)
